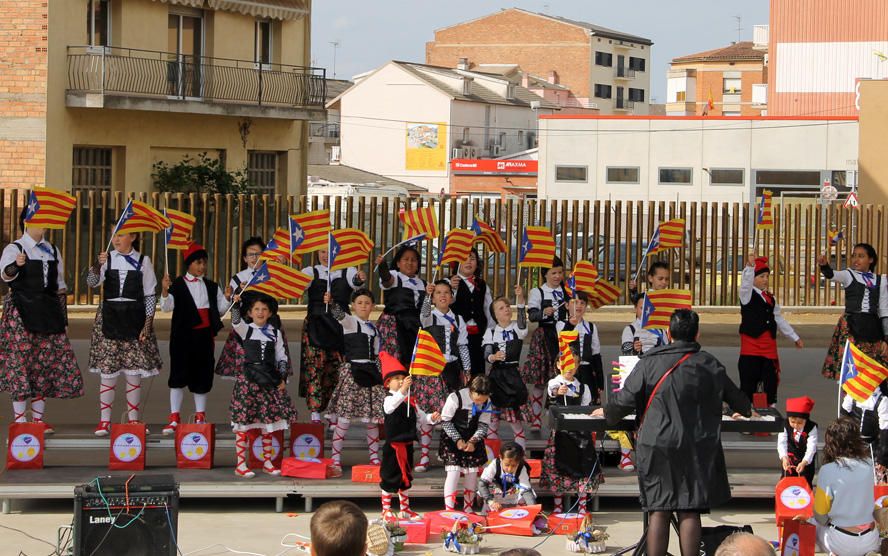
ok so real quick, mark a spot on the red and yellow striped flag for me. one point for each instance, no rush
(178, 235)
(141, 217)
(488, 237)
(537, 247)
(427, 357)
(565, 355)
(669, 235)
(348, 247)
(660, 304)
(283, 281)
(421, 220)
(603, 293)
(49, 208)
(861, 374)
(310, 230)
(279, 246)
(765, 215)
(585, 275)
(457, 246)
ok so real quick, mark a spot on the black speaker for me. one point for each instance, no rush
(117, 516)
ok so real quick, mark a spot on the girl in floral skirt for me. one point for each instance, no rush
(359, 393)
(259, 400)
(404, 294)
(123, 339)
(546, 305)
(472, 301)
(36, 359)
(502, 349)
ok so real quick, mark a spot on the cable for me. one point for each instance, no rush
(30, 536)
(108, 532)
(570, 510)
(172, 531)
(233, 551)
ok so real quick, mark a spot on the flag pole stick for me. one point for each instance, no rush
(116, 226)
(412, 357)
(329, 266)
(166, 247)
(841, 377)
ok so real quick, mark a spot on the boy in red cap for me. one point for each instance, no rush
(797, 444)
(396, 471)
(760, 319)
(195, 302)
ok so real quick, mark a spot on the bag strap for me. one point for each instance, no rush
(659, 383)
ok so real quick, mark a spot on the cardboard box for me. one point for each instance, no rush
(365, 474)
(417, 531)
(443, 521)
(536, 467)
(565, 524)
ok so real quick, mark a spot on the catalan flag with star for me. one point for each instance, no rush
(279, 280)
(669, 235)
(861, 374)
(308, 231)
(419, 221)
(49, 208)
(488, 237)
(537, 247)
(566, 358)
(427, 357)
(140, 217)
(764, 219)
(659, 306)
(279, 247)
(348, 247)
(456, 246)
(603, 293)
(584, 276)
(178, 235)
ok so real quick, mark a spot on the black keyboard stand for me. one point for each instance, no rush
(640, 548)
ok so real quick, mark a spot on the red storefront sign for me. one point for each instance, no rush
(490, 166)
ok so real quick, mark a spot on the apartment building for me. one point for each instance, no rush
(603, 68)
(94, 92)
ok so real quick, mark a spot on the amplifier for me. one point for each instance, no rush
(126, 517)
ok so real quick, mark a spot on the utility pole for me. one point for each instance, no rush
(739, 19)
(335, 45)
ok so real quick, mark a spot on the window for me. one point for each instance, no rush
(676, 176)
(571, 173)
(636, 95)
(731, 85)
(98, 23)
(788, 177)
(732, 113)
(262, 171)
(726, 176)
(466, 134)
(680, 96)
(262, 53)
(604, 59)
(636, 64)
(620, 174)
(602, 91)
(91, 170)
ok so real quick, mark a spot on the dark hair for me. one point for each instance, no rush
(582, 296)
(339, 528)
(403, 250)
(520, 552)
(871, 253)
(512, 450)
(637, 298)
(480, 385)
(842, 440)
(255, 240)
(251, 300)
(556, 262)
(362, 291)
(684, 325)
(657, 264)
(22, 218)
(479, 267)
(442, 282)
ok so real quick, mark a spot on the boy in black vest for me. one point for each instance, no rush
(590, 370)
(760, 320)
(797, 444)
(194, 301)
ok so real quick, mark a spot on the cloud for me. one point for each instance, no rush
(342, 23)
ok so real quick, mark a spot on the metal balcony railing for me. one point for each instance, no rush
(329, 131)
(167, 75)
(623, 104)
(624, 72)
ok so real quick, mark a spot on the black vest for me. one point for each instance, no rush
(123, 320)
(863, 326)
(400, 300)
(399, 426)
(757, 317)
(132, 284)
(340, 290)
(359, 345)
(185, 315)
(570, 400)
(797, 449)
(30, 276)
(498, 475)
(513, 347)
(258, 353)
(854, 296)
(439, 328)
(470, 304)
(586, 355)
(38, 305)
(466, 424)
(560, 314)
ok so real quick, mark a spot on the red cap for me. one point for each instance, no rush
(799, 407)
(761, 265)
(195, 251)
(390, 366)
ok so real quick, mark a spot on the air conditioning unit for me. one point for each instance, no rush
(531, 140)
(497, 150)
(335, 153)
(471, 152)
(458, 153)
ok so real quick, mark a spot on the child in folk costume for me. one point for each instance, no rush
(404, 294)
(760, 318)
(590, 369)
(36, 358)
(472, 301)
(510, 475)
(546, 305)
(449, 332)
(502, 349)
(465, 421)
(123, 339)
(321, 335)
(866, 308)
(259, 400)
(359, 393)
(401, 417)
(872, 415)
(658, 278)
(797, 444)
(194, 301)
(570, 463)
(636, 340)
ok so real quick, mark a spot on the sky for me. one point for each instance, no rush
(370, 33)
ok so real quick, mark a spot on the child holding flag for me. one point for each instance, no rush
(123, 339)
(404, 294)
(636, 339)
(590, 369)
(658, 277)
(472, 301)
(797, 444)
(866, 308)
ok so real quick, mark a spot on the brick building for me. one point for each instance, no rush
(734, 78)
(600, 66)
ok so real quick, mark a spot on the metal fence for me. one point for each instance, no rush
(613, 235)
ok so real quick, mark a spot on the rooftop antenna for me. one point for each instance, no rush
(546, 8)
(739, 19)
(335, 45)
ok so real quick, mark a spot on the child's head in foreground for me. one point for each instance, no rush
(338, 528)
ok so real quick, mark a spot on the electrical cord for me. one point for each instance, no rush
(570, 510)
(31, 537)
(172, 531)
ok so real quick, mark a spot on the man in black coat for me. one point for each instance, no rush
(677, 392)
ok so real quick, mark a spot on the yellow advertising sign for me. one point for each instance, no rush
(426, 146)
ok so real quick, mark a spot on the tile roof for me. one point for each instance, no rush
(739, 51)
(337, 173)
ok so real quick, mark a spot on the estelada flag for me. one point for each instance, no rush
(585, 275)
(308, 231)
(348, 247)
(456, 246)
(537, 247)
(565, 355)
(279, 280)
(279, 246)
(659, 306)
(487, 236)
(861, 374)
(427, 357)
(421, 220)
(178, 235)
(140, 217)
(764, 219)
(49, 208)
(603, 293)
(669, 235)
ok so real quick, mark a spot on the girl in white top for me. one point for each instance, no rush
(635, 339)
(502, 349)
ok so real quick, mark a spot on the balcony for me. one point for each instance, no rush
(622, 72)
(126, 78)
(622, 104)
(323, 132)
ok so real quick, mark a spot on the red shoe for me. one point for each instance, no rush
(269, 468)
(626, 463)
(409, 515)
(335, 471)
(244, 472)
(200, 418)
(389, 516)
(104, 428)
(174, 421)
(47, 428)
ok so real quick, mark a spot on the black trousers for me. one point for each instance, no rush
(192, 360)
(755, 369)
(476, 354)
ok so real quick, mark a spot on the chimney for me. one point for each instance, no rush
(553, 77)
(463, 64)
(525, 81)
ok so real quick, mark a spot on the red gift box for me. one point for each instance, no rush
(257, 459)
(880, 492)
(25, 447)
(307, 440)
(536, 467)
(306, 468)
(195, 445)
(798, 538)
(565, 524)
(492, 447)
(793, 498)
(365, 474)
(417, 531)
(442, 521)
(514, 521)
(127, 447)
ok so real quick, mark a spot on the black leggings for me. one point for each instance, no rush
(689, 533)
